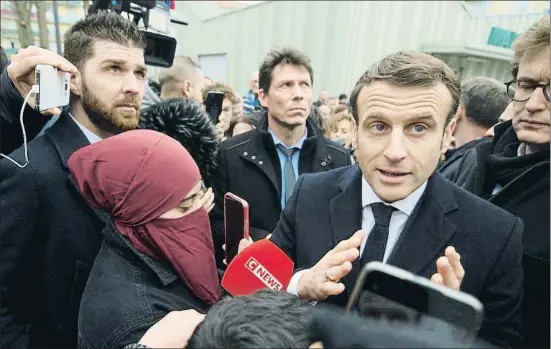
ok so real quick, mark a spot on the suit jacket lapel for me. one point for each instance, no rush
(346, 213)
(428, 230)
(67, 138)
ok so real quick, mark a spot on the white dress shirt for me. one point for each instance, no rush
(403, 207)
(90, 136)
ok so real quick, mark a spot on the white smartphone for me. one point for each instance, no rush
(54, 87)
(386, 292)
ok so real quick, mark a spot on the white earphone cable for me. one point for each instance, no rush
(34, 89)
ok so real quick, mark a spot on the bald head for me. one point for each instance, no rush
(324, 96)
(183, 79)
(253, 82)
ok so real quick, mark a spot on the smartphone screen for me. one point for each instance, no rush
(389, 298)
(236, 224)
(214, 105)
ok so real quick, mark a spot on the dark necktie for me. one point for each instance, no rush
(289, 171)
(376, 242)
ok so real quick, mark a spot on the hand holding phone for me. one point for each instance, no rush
(236, 224)
(21, 70)
(54, 87)
(213, 105)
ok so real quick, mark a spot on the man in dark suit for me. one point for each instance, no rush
(403, 212)
(512, 172)
(49, 236)
(262, 165)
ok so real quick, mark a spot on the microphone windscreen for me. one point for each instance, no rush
(261, 265)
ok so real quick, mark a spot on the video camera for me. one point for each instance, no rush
(155, 16)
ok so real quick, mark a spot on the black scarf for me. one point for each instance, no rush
(505, 165)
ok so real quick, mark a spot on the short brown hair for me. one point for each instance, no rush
(535, 39)
(102, 25)
(240, 119)
(277, 57)
(340, 108)
(218, 86)
(407, 68)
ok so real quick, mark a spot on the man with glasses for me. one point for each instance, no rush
(512, 171)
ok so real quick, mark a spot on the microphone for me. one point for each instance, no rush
(261, 265)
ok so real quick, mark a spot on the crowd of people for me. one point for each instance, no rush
(112, 233)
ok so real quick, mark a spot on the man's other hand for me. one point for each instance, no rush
(450, 271)
(323, 279)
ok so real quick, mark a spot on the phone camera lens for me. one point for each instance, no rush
(66, 87)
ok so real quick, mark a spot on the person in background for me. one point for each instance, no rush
(185, 120)
(183, 79)
(324, 111)
(481, 103)
(394, 208)
(261, 166)
(241, 125)
(324, 96)
(341, 109)
(251, 103)
(265, 319)
(237, 108)
(152, 94)
(318, 120)
(333, 103)
(342, 126)
(157, 235)
(225, 117)
(343, 99)
(49, 236)
(208, 81)
(505, 116)
(512, 172)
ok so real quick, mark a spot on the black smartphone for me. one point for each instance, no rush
(214, 105)
(236, 223)
(392, 294)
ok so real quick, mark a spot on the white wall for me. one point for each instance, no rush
(343, 38)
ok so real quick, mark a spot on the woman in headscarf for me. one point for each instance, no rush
(157, 255)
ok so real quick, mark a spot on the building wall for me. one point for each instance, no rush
(344, 38)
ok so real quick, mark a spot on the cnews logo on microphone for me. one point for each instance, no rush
(263, 275)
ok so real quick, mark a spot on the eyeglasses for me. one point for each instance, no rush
(522, 90)
(188, 202)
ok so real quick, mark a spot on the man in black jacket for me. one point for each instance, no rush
(262, 165)
(49, 236)
(512, 172)
(393, 207)
(481, 103)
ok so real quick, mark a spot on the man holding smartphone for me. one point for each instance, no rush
(49, 236)
(394, 208)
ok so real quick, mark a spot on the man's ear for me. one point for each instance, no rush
(76, 84)
(188, 88)
(452, 125)
(460, 114)
(263, 98)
